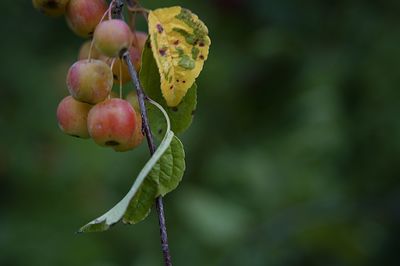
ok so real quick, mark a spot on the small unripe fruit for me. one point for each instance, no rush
(84, 15)
(89, 81)
(123, 73)
(72, 117)
(53, 8)
(137, 137)
(112, 36)
(132, 98)
(85, 50)
(112, 122)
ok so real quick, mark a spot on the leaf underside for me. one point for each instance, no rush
(160, 175)
(164, 177)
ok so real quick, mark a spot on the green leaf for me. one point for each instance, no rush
(118, 211)
(160, 175)
(181, 116)
(140, 205)
(165, 176)
(171, 168)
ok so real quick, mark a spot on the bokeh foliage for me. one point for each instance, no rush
(292, 158)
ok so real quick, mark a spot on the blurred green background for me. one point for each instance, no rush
(293, 157)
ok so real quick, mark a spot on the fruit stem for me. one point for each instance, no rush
(117, 12)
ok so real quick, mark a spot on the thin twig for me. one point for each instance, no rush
(117, 12)
(141, 97)
(152, 148)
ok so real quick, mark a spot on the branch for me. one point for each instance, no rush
(150, 143)
(117, 13)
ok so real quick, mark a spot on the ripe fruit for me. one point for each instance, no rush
(84, 15)
(52, 8)
(85, 49)
(124, 72)
(112, 123)
(72, 117)
(135, 51)
(112, 36)
(89, 81)
(137, 137)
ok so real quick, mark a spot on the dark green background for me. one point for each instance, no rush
(293, 157)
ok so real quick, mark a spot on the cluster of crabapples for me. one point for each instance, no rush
(92, 109)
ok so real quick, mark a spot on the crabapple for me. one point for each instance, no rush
(123, 73)
(112, 122)
(112, 36)
(53, 8)
(137, 137)
(72, 117)
(139, 40)
(89, 81)
(84, 15)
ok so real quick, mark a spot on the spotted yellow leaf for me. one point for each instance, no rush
(180, 43)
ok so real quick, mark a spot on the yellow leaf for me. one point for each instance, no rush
(180, 43)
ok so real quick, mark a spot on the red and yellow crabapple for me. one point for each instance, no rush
(89, 81)
(139, 40)
(120, 68)
(137, 137)
(72, 117)
(135, 52)
(112, 36)
(84, 15)
(112, 123)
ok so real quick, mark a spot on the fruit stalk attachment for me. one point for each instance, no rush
(117, 13)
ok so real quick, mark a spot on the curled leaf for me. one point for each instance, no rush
(115, 214)
(160, 175)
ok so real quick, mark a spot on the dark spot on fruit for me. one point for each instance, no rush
(177, 80)
(112, 143)
(159, 28)
(201, 44)
(162, 52)
(171, 87)
(201, 57)
(184, 81)
(176, 42)
(194, 111)
(51, 4)
(175, 109)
